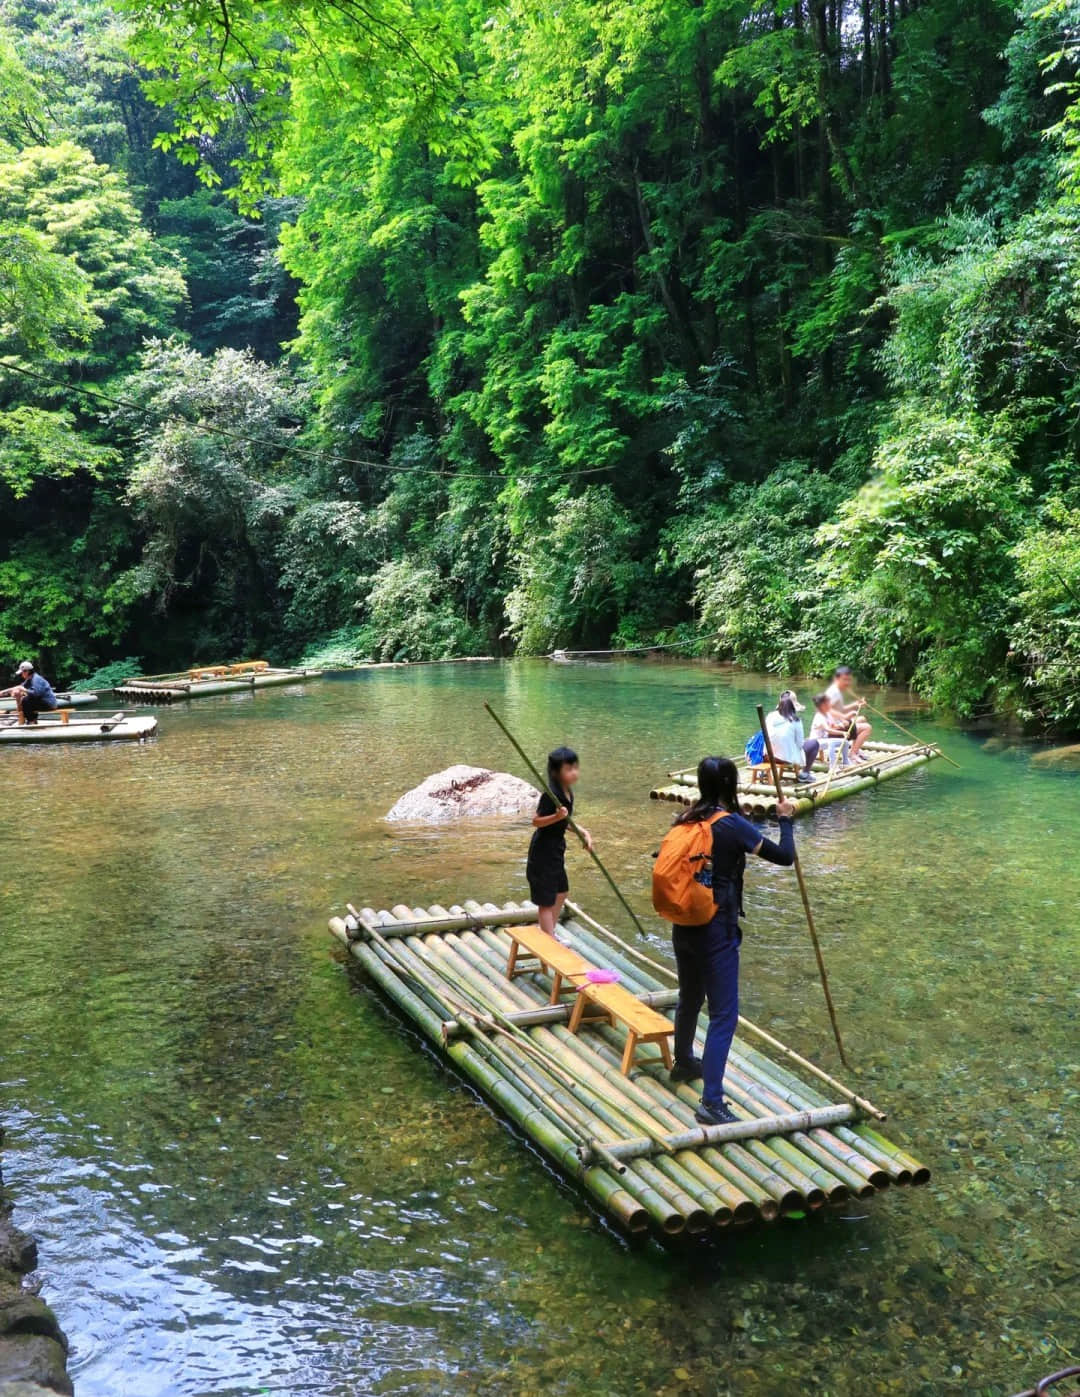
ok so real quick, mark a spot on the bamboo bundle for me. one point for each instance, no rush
(759, 801)
(210, 680)
(630, 1141)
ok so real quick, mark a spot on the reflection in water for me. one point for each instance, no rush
(247, 1176)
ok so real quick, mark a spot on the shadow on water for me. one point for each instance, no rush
(247, 1176)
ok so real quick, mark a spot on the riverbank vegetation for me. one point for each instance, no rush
(412, 330)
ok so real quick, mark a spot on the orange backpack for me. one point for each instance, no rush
(681, 880)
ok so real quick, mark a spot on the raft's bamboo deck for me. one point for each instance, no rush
(84, 727)
(63, 698)
(632, 1142)
(758, 800)
(210, 680)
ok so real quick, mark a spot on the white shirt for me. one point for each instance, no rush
(836, 696)
(786, 738)
(819, 727)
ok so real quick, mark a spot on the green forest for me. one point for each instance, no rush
(346, 329)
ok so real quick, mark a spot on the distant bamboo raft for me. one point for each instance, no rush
(204, 680)
(758, 800)
(631, 1142)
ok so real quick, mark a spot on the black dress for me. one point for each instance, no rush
(546, 864)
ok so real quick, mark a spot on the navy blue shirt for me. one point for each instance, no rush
(733, 838)
(40, 688)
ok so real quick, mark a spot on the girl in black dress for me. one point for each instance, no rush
(546, 864)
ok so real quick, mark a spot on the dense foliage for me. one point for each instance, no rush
(399, 329)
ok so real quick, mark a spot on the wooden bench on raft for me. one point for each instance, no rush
(558, 960)
(609, 1002)
(64, 714)
(618, 1005)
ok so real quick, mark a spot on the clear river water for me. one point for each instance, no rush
(247, 1175)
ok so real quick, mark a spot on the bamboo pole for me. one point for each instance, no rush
(907, 733)
(757, 1128)
(570, 821)
(523, 916)
(822, 972)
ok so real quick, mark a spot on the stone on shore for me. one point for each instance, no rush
(465, 792)
(33, 1348)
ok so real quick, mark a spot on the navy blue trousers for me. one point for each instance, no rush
(707, 959)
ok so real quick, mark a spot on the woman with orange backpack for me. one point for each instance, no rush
(697, 886)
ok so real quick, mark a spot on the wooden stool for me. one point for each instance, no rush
(618, 1005)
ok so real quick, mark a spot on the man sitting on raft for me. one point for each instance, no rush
(847, 711)
(33, 694)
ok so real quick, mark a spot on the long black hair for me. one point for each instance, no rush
(786, 707)
(557, 759)
(718, 789)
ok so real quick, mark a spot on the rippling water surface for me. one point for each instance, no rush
(248, 1177)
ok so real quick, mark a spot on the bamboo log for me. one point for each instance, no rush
(753, 1129)
(569, 1095)
(775, 1166)
(525, 916)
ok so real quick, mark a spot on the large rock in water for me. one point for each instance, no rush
(461, 792)
(1058, 756)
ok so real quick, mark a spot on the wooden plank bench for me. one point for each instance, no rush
(63, 713)
(618, 1005)
(562, 963)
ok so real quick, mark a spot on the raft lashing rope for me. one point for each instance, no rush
(758, 800)
(558, 1069)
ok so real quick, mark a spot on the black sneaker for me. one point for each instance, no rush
(686, 1071)
(715, 1115)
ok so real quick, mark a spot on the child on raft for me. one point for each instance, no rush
(546, 864)
(707, 957)
(828, 734)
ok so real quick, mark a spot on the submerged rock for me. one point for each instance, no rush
(463, 792)
(1058, 756)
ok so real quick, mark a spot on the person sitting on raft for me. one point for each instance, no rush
(828, 734)
(545, 867)
(789, 742)
(33, 694)
(848, 710)
(707, 957)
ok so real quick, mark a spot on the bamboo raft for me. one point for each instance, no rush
(757, 799)
(630, 1141)
(64, 698)
(204, 680)
(85, 727)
